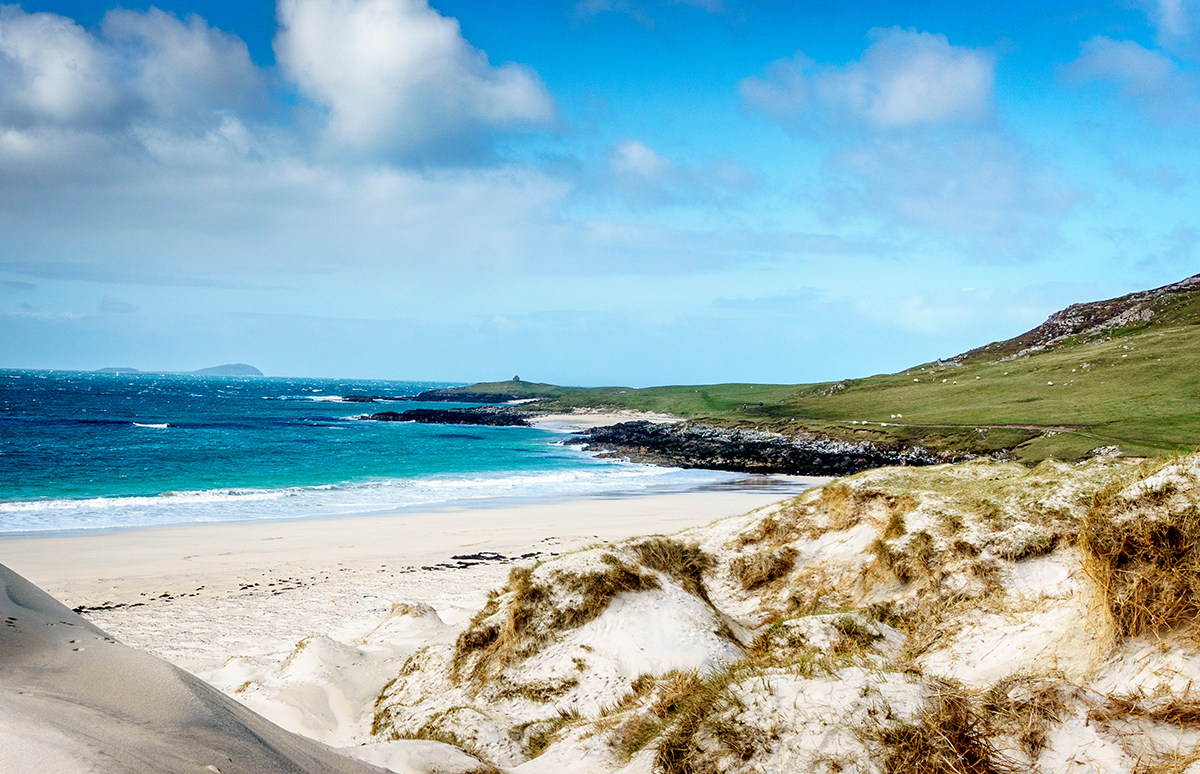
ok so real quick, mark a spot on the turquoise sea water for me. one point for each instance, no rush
(101, 451)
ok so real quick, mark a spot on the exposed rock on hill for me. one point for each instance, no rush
(1090, 321)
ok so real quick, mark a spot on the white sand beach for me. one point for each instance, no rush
(230, 602)
(584, 419)
(336, 645)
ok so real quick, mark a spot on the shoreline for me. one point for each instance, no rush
(94, 512)
(124, 566)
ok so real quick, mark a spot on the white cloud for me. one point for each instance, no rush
(68, 95)
(398, 77)
(1150, 80)
(915, 143)
(633, 157)
(182, 71)
(904, 79)
(52, 72)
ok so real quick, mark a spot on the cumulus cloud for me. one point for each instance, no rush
(915, 143)
(151, 150)
(1150, 80)
(399, 78)
(390, 81)
(904, 79)
(182, 71)
(52, 72)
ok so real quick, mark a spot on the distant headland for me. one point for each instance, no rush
(230, 369)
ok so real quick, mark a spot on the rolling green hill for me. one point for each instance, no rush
(1123, 372)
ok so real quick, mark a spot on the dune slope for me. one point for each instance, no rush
(72, 699)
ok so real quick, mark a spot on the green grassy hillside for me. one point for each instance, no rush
(1123, 372)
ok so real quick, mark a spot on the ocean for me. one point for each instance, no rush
(89, 451)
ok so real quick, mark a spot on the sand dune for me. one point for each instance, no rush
(72, 699)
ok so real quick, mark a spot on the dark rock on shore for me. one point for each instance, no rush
(747, 451)
(493, 416)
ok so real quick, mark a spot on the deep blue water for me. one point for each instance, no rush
(98, 451)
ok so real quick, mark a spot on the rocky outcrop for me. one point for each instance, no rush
(1088, 320)
(493, 416)
(749, 451)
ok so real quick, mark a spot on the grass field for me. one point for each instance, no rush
(1137, 388)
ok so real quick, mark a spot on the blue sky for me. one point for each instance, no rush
(595, 192)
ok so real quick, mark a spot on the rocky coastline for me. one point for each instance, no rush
(491, 416)
(689, 445)
(698, 445)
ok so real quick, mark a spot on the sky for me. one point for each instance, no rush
(582, 192)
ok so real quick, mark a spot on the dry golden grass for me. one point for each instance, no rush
(834, 507)
(541, 691)
(1025, 708)
(763, 567)
(531, 612)
(703, 732)
(540, 734)
(1171, 763)
(854, 636)
(432, 731)
(950, 737)
(684, 562)
(664, 697)
(1175, 710)
(908, 560)
(1143, 554)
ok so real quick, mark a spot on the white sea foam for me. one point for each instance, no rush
(384, 495)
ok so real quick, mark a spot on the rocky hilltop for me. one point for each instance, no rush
(1089, 322)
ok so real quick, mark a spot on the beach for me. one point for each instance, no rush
(232, 603)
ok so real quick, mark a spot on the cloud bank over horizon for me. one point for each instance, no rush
(486, 189)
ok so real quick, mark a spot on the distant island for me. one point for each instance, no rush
(230, 369)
